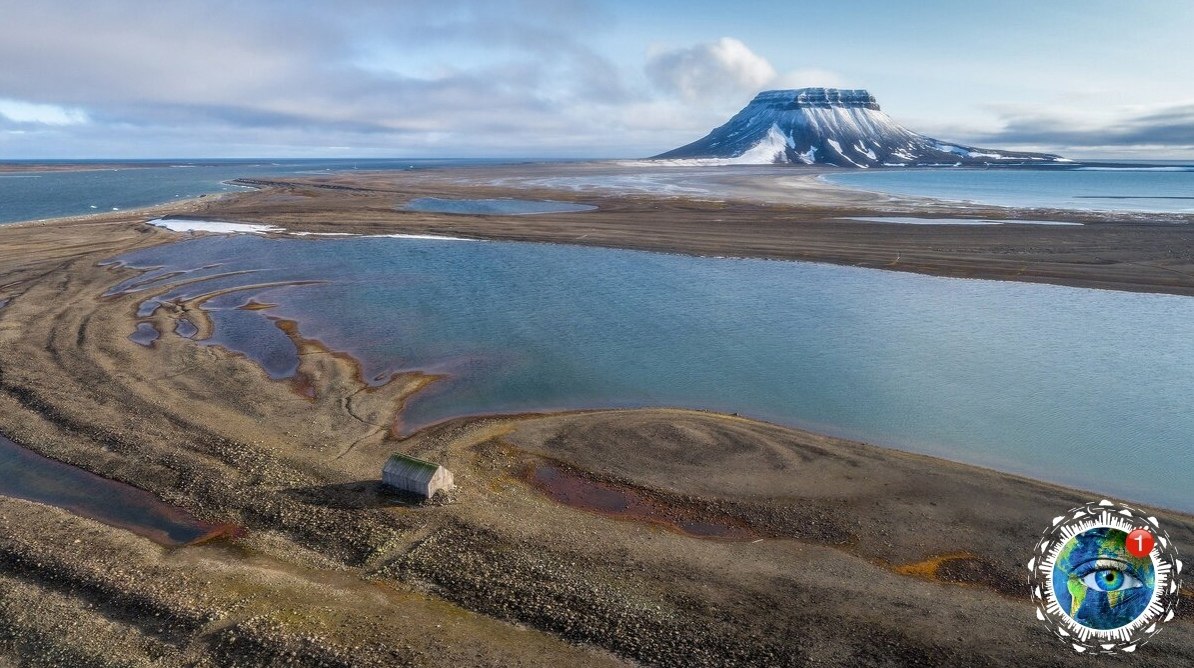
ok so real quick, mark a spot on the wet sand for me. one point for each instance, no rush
(676, 538)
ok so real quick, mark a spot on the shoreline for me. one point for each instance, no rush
(203, 203)
(399, 430)
(869, 555)
(121, 215)
(781, 214)
(963, 203)
(289, 234)
(292, 331)
(402, 428)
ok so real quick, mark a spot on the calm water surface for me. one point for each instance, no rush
(1168, 189)
(1084, 387)
(37, 195)
(30, 476)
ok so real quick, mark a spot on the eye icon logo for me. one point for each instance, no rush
(1105, 578)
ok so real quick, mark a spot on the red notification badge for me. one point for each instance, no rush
(1140, 543)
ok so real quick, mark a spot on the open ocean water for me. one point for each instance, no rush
(38, 195)
(1155, 188)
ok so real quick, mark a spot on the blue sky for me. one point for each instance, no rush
(576, 78)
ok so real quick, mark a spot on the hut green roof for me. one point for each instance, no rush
(411, 468)
(412, 474)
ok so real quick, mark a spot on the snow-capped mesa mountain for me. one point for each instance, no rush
(831, 126)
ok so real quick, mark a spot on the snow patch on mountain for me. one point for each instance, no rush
(829, 126)
(771, 149)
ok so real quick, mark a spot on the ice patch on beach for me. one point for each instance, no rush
(214, 226)
(223, 227)
(432, 237)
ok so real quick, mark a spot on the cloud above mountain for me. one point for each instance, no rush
(417, 77)
(424, 78)
(722, 68)
(726, 66)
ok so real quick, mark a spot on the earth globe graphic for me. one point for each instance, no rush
(1099, 583)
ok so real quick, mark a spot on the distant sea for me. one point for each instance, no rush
(34, 195)
(1156, 187)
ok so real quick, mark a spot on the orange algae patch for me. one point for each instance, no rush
(930, 567)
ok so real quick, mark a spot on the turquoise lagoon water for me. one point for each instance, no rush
(1157, 189)
(1083, 387)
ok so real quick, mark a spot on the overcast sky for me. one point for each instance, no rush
(576, 78)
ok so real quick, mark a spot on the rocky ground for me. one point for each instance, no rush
(736, 542)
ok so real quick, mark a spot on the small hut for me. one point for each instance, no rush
(411, 474)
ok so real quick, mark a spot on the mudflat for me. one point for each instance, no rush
(654, 536)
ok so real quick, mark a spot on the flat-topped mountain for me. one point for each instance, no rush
(832, 126)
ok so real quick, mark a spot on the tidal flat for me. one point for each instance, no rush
(833, 552)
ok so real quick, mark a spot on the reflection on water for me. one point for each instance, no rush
(1084, 387)
(28, 475)
(1157, 189)
(145, 334)
(185, 328)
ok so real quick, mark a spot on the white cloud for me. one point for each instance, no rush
(505, 75)
(417, 77)
(720, 68)
(726, 71)
(806, 77)
(19, 111)
(428, 77)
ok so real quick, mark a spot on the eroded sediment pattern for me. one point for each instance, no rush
(841, 553)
